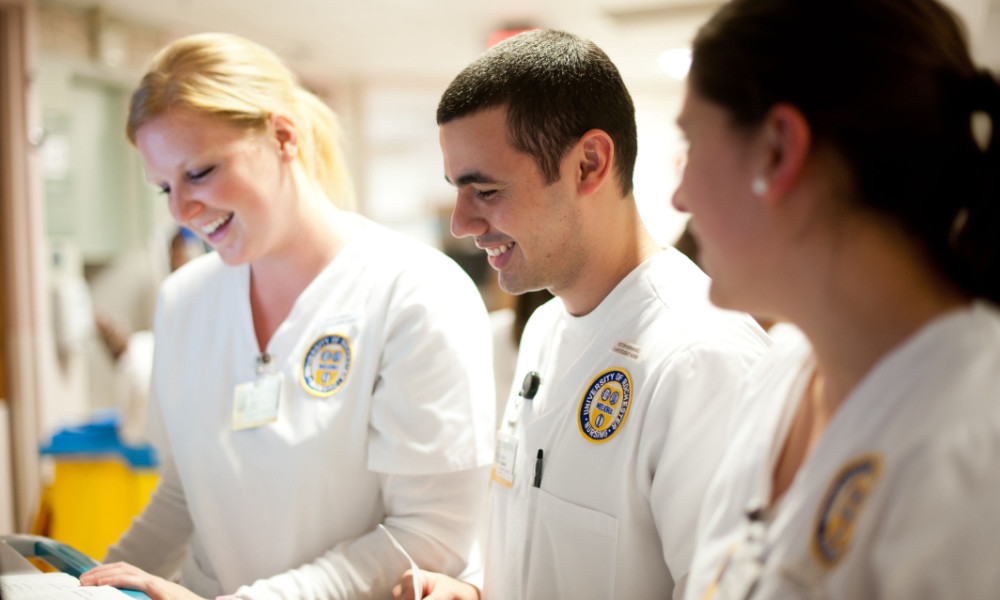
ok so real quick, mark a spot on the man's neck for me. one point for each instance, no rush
(609, 269)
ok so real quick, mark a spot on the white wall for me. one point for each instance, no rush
(6, 473)
(657, 169)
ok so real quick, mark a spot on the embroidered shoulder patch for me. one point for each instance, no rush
(841, 508)
(605, 405)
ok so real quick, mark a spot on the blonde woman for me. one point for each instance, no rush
(316, 376)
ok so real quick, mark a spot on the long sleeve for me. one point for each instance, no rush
(157, 539)
(434, 517)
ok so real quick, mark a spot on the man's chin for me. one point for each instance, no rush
(515, 287)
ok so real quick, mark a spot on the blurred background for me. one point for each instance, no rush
(82, 235)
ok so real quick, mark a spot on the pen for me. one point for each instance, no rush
(538, 469)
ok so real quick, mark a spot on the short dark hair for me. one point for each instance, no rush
(555, 87)
(888, 85)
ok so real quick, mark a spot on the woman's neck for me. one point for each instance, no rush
(879, 290)
(856, 305)
(278, 279)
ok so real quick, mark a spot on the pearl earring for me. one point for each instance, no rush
(759, 186)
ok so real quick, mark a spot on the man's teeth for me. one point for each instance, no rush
(210, 228)
(498, 250)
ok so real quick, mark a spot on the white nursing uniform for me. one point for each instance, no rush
(385, 415)
(898, 499)
(630, 414)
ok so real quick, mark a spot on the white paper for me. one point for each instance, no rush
(418, 586)
(53, 586)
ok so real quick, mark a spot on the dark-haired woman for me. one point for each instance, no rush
(843, 176)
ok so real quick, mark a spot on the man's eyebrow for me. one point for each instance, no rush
(474, 177)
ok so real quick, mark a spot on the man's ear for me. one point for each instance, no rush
(787, 139)
(594, 154)
(287, 136)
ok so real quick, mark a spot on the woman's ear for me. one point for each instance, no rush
(287, 136)
(787, 139)
(595, 156)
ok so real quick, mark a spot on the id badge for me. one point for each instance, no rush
(503, 461)
(741, 570)
(740, 578)
(255, 403)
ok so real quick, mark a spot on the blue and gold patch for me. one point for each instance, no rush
(605, 405)
(326, 365)
(841, 508)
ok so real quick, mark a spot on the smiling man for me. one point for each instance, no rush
(628, 374)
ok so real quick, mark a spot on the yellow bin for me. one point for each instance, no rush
(99, 486)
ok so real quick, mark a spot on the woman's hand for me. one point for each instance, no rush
(436, 587)
(124, 575)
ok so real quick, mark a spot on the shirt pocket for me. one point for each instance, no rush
(573, 552)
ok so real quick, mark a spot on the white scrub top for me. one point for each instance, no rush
(630, 415)
(900, 496)
(385, 415)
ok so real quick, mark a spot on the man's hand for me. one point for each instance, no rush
(436, 587)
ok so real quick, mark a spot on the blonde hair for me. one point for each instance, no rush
(243, 83)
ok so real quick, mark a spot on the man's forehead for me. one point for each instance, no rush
(475, 147)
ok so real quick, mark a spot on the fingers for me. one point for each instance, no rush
(126, 576)
(120, 575)
(91, 577)
(404, 589)
(435, 586)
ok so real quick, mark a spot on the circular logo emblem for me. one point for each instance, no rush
(326, 365)
(605, 404)
(841, 508)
